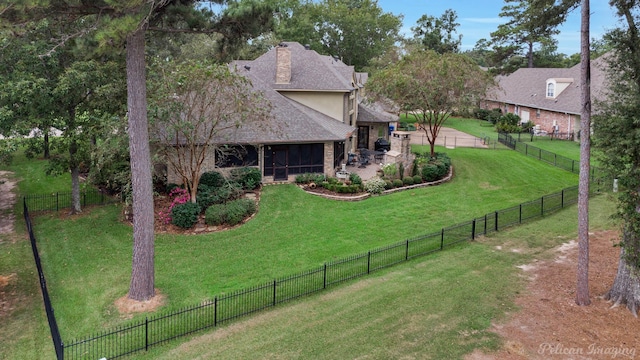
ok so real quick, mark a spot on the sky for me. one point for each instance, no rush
(478, 18)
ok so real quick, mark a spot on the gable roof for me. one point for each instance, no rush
(289, 121)
(527, 87)
(309, 70)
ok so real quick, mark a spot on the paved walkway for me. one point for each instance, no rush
(448, 138)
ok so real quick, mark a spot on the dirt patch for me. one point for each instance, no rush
(551, 326)
(7, 202)
(127, 307)
(8, 296)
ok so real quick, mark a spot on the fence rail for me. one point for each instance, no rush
(143, 334)
(547, 156)
(62, 200)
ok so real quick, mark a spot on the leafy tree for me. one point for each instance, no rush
(433, 85)
(197, 107)
(616, 126)
(353, 30)
(438, 34)
(117, 23)
(529, 22)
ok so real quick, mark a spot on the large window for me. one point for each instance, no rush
(237, 155)
(283, 160)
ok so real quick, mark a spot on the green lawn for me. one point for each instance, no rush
(436, 307)
(88, 258)
(292, 232)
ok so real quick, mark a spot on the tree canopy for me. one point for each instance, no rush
(438, 34)
(433, 86)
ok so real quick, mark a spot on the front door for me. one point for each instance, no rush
(363, 137)
(280, 171)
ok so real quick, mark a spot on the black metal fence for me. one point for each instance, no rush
(143, 334)
(543, 155)
(53, 325)
(58, 200)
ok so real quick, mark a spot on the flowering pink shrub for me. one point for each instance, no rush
(180, 196)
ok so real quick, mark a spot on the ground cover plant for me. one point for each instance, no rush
(292, 232)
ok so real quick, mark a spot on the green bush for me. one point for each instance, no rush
(310, 177)
(388, 184)
(212, 179)
(207, 196)
(355, 179)
(481, 114)
(429, 173)
(231, 213)
(494, 115)
(407, 180)
(417, 179)
(397, 183)
(215, 214)
(374, 185)
(248, 177)
(185, 215)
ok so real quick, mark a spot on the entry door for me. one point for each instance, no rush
(280, 163)
(363, 137)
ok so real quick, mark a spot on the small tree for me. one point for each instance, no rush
(433, 86)
(197, 108)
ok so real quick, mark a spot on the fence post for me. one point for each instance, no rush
(542, 206)
(562, 200)
(406, 253)
(368, 262)
(520, 215)
(473, 229)
(496, 226)
(485, 224)
(555, 159)
(57, 201)
(215, 311)
(274, 292)
(442, 239)
(324, 280)
(146, 334)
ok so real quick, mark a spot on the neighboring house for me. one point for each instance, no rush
(318, 116)
(547, 97)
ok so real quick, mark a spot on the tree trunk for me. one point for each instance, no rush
(142, 269)
(626, 286)
(582, 286)
(530, 55)
(47, 154)
(75, 178)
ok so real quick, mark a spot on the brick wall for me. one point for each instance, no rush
(567, 123)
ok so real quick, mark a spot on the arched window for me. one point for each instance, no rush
(550, 89)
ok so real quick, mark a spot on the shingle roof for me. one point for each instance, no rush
(527, 87)
(309, 70)
(371, 114)
(289, 122)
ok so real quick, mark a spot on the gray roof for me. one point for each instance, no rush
(309, 70)
(370, 113)
(289, 121)
(527, 87)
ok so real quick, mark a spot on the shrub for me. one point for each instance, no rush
(397, 183)
(388, 184)
(417, 179)
(231, 213)
(239, 209)
(248, 177)
(374, 185)
(389, 170)
(185, 215)
(355, 179)
(407, 180)
(429, 172)
(310, 177)
(212, 179)
(494, 115)
(180, 196)
(481, 114)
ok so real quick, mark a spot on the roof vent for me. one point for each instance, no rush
(247, 67)
(336, 57)
(307, 47)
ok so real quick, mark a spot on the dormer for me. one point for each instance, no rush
(555, 86)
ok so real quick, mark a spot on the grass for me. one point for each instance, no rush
(438, 307)
(292, 232)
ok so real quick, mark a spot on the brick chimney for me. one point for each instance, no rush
(283, 64)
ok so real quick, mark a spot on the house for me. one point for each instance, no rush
(547, 97)
(318, 116)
